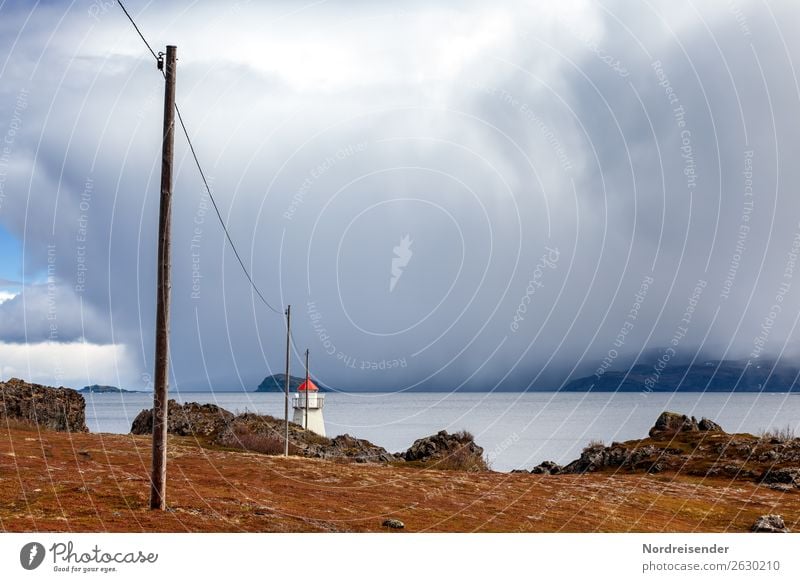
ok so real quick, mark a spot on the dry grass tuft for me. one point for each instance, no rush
(464, 435)
(241, 437)
(593, 445)
(463, 459)
(781, 435)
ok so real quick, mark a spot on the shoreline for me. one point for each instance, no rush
(516, 431)
(226, 472)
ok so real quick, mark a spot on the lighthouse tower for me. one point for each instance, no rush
(307, 403)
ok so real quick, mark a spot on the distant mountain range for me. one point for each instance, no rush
(99, 389)
(707, 376)
(277, 383)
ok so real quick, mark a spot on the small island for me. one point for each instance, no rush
(277, 383)
(101, 389)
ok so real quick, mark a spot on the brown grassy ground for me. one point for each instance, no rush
(98, 482)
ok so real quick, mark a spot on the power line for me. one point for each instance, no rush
(219, 215)
(125, 10)
(203, 174)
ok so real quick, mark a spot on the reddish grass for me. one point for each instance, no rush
(99, 482)
(268, 444)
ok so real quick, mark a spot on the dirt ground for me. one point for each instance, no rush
(52, 481)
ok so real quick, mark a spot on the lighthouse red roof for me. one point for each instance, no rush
(311, 387)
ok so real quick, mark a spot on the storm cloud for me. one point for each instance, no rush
(472, 197)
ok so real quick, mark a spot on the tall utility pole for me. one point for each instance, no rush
(305, 424)
(161, 374)
(286, 394)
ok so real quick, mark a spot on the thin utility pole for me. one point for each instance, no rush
(161, 374)
(305, 426)
(286, 395)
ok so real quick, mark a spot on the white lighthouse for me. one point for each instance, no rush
(307, 403)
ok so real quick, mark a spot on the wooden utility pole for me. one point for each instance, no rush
(305, 425)
(286, 394)
(161, 374)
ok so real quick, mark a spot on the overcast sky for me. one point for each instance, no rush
(494, 195)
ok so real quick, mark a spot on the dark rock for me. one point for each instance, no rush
(547, 468)
(707, 425)
(699, 449)
(732, 471)
(769, 524)
(393, 524)
(670, 423)
(521, 471)
(359, 450)
(190, 419)
(769, 456)
(444, 450)
(783, 475)
(790, 452)
(592, 458)
(739, 471)
(61, 409)
(597, 457)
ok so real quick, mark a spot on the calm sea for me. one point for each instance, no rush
(517, 430)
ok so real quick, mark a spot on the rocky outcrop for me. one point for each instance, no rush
(617, 456)
(781, 476)
(190, 419)
(359, 450)
(697, 448)
(264, 433)
(61, 409)
(260, 433)
(265, 425)
(769, 524)
(547, 468)
(393, 524)
(449, 451)
(680, 444)
(671, 423)
(706, 425)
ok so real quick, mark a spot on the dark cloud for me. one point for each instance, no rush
(51, 313)
(536, 164)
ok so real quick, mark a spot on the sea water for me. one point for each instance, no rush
(517, 430)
